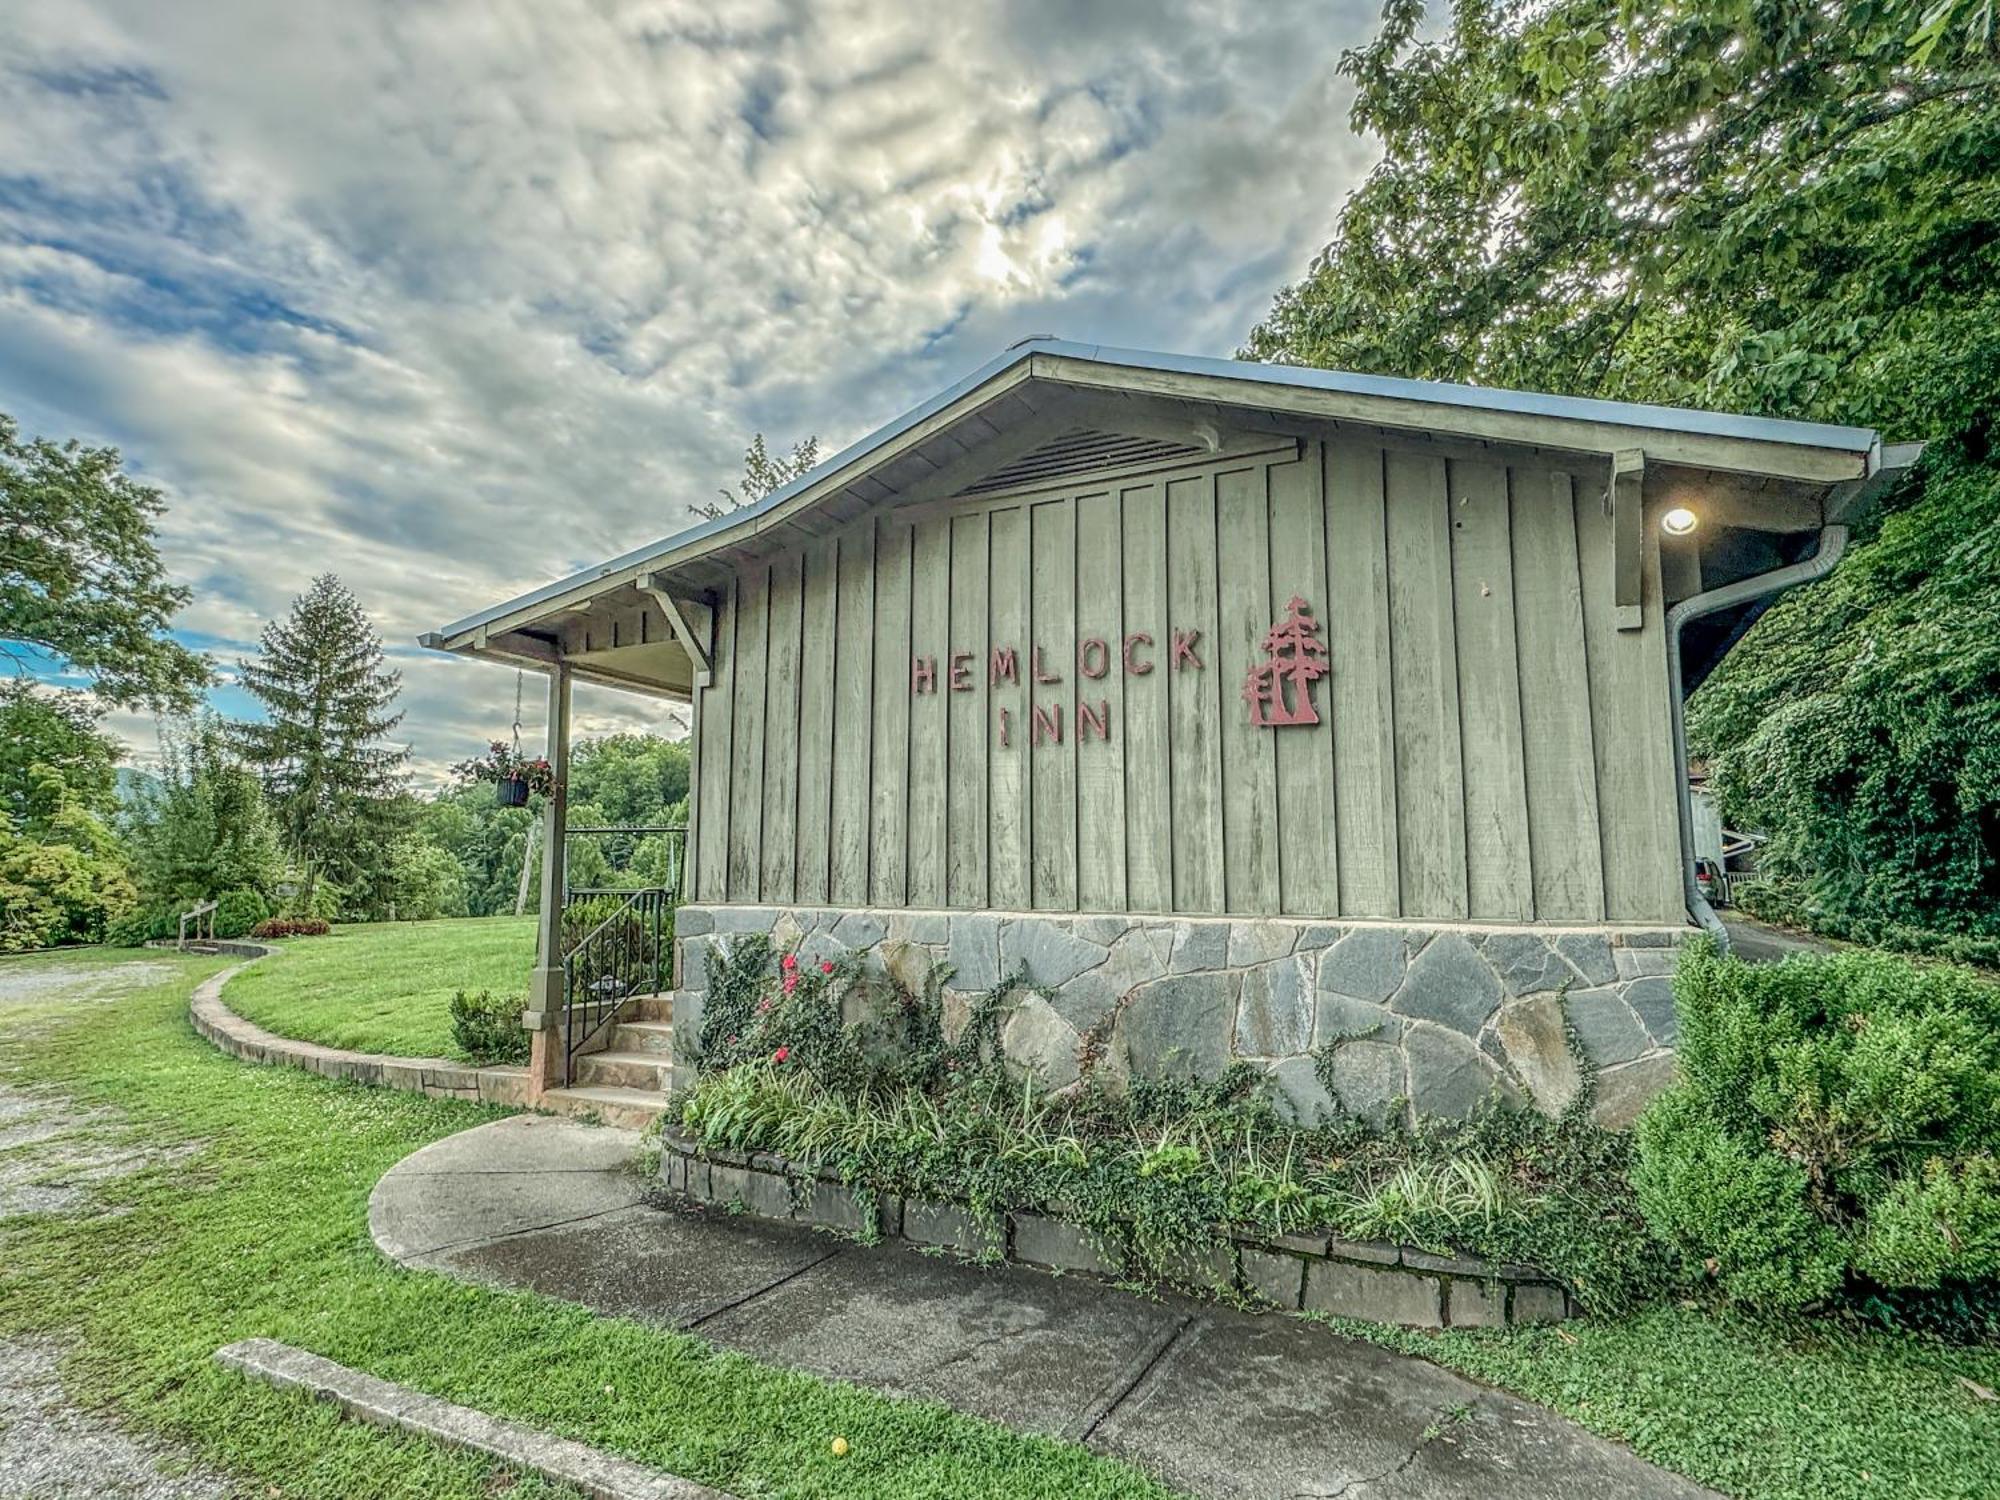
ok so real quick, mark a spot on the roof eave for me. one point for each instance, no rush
(1802, 452)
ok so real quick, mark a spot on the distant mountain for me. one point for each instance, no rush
(132, 784)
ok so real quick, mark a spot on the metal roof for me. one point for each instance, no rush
(1639, 417)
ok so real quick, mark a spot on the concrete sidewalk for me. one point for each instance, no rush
(1214, 1402)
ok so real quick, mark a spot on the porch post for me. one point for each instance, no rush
(545, 991)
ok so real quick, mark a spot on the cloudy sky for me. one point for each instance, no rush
(453, 298)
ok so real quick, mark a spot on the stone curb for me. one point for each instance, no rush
(382, 1403)
(438, 1077)
(1374, 1282)
(229, 947)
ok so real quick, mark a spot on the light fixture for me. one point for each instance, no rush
(1679, 521)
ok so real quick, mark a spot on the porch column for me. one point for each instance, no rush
(545, 990)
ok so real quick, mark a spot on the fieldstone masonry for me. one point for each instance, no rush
(1420, 1020)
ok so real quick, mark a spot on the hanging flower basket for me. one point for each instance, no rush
(513, 775)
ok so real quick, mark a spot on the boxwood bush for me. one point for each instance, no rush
(236, 912)
(140, 926)
(486, 1028)
(1836, 1135)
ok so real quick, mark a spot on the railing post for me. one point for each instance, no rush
(544, 1014)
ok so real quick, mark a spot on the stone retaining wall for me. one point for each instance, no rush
(437, 1076)
(228, 947)
(1372, 1281)
(1422, 1020)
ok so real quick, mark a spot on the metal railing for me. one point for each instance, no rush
(622, 841)
(623, 955)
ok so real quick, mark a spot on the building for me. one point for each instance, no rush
(1258, 710)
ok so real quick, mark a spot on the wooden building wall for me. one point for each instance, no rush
(1490, 747)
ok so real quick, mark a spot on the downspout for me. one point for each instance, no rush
(1832, 543)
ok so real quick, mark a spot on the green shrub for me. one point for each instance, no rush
(1941, 1222)
(236, 912)
(67, 889)
(140, 926)
(1728, 1202)
(487, 1028)
(1835, 1131)
(285, 927)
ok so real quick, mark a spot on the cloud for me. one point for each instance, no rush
(452, 299)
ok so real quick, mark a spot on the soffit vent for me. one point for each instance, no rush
(1082, 451)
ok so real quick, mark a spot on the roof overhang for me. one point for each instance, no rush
(1000, 409)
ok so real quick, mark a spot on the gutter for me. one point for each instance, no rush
(1844, 505)
(1832, 543)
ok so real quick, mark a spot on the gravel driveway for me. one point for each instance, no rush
(54, 1157)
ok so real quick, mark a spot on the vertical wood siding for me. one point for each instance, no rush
(1490, 746)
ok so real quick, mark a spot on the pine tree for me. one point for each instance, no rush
(333, 782)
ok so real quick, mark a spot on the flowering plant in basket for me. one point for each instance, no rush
(511, 771)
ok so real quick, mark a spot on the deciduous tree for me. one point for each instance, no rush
(762, 474)
(81, 576)
(49, 729)
(202, 828)
(1784, 207)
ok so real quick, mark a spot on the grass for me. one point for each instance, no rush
(385, 987)
(1778, 1410)
(263, 1232)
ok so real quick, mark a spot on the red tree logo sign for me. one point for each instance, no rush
(1293, 655)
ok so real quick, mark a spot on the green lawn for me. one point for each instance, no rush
(262, 1230)
(384, 987)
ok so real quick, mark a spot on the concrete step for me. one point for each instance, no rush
(650, 1008)
(644, 1036)
(625, 1070)
(631, 1109)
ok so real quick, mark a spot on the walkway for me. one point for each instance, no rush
(1215, 1402)
(1760, 943)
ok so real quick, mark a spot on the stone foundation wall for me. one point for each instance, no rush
(1422, 1020)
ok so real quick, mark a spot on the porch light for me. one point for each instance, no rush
(1679, 521)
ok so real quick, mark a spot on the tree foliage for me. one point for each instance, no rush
(1860, 725)
(80, 575)
(202, 827)
(49, 729)
(63, 877)
(619, 780)
(1771, 206)
(421, 881)
(329, 702)
(762, 474)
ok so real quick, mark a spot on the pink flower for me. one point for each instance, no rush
(781, 1054)
(789, 962)
(763, 1005)
(826, 966)
(732, 1041)
(791, 983)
